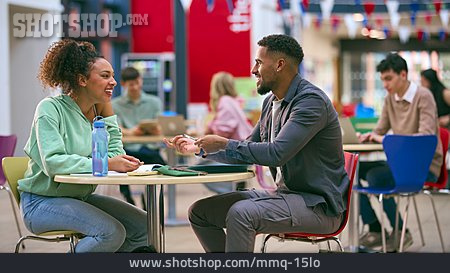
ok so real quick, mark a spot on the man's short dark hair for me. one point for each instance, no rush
(283, 44)
(128, 74)
(393, 61)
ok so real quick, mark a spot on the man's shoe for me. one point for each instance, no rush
(145, 249)
(392, 247)
(370, 239)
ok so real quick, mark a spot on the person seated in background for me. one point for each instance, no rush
(60, 143)
(130, 108)
(299, 137)
(229, 120)
(429, 79)
(408, 110)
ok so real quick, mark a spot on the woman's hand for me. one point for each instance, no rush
(182, 145)
(123, 163)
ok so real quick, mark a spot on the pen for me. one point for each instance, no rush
(190, 137)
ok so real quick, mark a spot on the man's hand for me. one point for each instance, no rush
(212, 143)
(182, 144)
(123, 163)
(371, 136)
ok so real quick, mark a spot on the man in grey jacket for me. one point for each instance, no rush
(299, 137)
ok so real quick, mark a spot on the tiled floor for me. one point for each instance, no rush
(180, 239)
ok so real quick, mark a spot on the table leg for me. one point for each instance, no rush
(155, 227)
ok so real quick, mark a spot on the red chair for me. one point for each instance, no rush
(351, 161)
(437, 188)
(7, 147)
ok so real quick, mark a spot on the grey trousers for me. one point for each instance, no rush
(245, 214)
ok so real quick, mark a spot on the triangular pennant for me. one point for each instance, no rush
(369, 7)
(444, 17)
(209, 5)
(392, 6)
(186, 4)
(403, 33)
(326, 6)
(395, 20)
(437, 6)
(351, 25)
(306, 20)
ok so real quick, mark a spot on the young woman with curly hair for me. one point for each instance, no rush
(60, 143)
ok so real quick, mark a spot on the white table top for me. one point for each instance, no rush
(153, 179)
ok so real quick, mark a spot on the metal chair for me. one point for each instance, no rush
(7, 147)
(14, 169)
(409, 159)
(351, 161)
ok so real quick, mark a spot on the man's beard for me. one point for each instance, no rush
(263, 89)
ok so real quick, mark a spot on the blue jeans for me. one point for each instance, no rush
(109, 224)
(378, 175)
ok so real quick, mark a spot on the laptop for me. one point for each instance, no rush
(172, 125)
(348, 132)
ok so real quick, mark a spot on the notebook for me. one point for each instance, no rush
(172, 125)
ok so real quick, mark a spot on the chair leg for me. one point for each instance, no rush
(264, 244)
(397, 214)
(427, 193)
(328, 245)
(11, 199)
(338, 242)
(383, 232)
(72, 243)
(405, 217)
(418, 221)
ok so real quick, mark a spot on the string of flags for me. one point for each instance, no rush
(372, 24)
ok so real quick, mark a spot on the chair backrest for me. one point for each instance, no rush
(14, 169)
(443, 176)
(409, 158)
(7, 147)
(351, 161)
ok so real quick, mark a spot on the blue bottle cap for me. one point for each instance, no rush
(99, 124)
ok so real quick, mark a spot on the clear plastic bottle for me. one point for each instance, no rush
(99, 149)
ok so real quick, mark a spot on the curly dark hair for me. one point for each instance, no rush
(284, 44)
(393, 61)
(64, 61)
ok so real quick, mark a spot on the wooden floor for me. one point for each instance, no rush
(181, 239)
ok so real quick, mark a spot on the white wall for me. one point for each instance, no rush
(21, 90)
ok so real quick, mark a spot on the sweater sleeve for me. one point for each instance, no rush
(383, 124)
(427, 114)
(53, 157)
(115, 146)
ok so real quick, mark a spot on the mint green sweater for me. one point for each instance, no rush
(60, 142)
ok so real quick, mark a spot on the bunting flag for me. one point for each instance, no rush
(420, 34)
(403, 33)
(428, 18)
(209, 5)
(335, 21)
(414, 8)
(387, 32)
(351, 25)
(326, 6)
(318, 22)
(304, 4)
(369, 7)
(395, 20)
(186, 4)
(442, 34)
(306, 19)
(230, 6)
(437, 6)
(392, 6)
(444, 17)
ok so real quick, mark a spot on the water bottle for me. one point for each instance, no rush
(99, 149)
